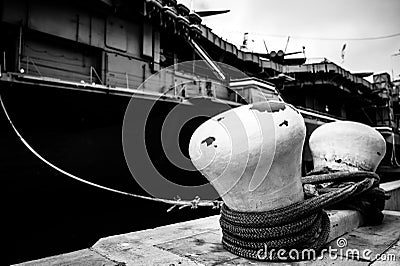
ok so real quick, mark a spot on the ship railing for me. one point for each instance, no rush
(133, 81)
(130, 81)
(32, 61)
(93, 70)
(315, 65)
(318, 116)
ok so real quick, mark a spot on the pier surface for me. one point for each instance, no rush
(198, 242)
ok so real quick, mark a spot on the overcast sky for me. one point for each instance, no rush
(309, 22)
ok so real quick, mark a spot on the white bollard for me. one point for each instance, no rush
(347, 146)
(252, 155)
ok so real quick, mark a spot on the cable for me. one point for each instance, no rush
(349, 39)
(371, 38)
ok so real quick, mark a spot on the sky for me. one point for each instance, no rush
(322, 26)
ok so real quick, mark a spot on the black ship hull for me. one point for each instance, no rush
(47, 212)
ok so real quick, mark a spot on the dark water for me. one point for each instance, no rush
(54, 215)
(48, 213)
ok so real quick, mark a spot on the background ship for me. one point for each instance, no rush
(68, 72)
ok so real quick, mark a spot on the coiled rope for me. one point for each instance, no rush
(301, 226)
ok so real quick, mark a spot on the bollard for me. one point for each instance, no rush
(252, 155)
(347, 146)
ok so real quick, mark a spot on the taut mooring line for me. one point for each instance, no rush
(182, 203)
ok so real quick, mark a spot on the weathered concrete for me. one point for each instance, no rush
(393, 189)
(198, 242)
(81, 257)
(383, 259)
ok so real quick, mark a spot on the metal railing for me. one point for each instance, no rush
(28, 59)
(93, 70)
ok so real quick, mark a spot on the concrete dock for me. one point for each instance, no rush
(198, 242)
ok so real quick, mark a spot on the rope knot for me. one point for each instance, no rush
(195, 202)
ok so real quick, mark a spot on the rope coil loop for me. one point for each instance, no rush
(301, 225)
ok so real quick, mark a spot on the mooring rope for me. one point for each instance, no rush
(196, 202)
(300, 226)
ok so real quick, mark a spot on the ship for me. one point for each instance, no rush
(70, 70)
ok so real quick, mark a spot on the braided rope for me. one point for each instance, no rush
(300, 226)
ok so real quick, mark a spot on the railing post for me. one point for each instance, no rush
(174, 88)
(4, 62)
(214, 92)
(91, 75)
(19, 47)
